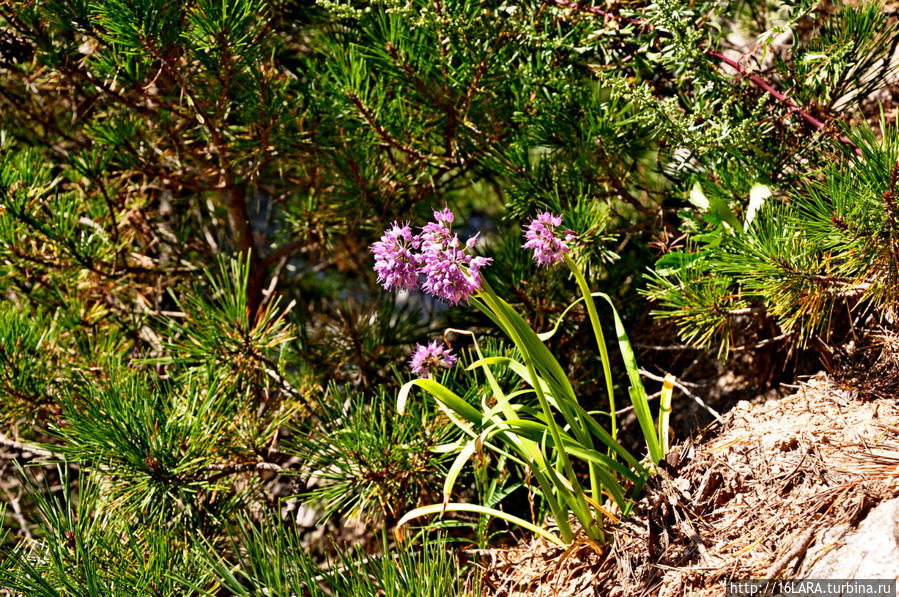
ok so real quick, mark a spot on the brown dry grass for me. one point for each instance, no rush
(764, 494)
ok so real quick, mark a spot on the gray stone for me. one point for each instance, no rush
(871, 551)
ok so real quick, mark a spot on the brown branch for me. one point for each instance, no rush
(235, 192)
(798, 549)
(242, 467)
(239, 218)
(389, 139)
(27, 448)
(768, 88)
(284, 251)
(600, 12)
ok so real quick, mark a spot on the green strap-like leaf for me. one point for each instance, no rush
(440, 508)
(441, 393)
(536, 430)
(637, 391)
(594, 427)
(456, 468)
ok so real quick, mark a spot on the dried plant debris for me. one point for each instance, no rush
(757, 497)
(869, 363)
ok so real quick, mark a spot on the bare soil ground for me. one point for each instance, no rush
(764, 494)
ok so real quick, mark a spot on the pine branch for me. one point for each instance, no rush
(28, 448)
(388, 139)
(235, 191)
(242, 467)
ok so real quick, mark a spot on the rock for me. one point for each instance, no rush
(743, 406)
(871, 551)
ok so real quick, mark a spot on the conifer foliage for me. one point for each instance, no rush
(195, 359)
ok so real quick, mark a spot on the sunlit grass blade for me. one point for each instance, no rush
(452, 474)
(637, 391)
(441, 393)
(665, 412)
(456, 507)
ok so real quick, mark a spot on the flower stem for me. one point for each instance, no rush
(600, 340)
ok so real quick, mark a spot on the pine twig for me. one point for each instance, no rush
(223, 470)
(687, 393)
(796, 551)
(23, 447)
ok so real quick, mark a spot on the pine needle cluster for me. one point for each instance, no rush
(192, 350)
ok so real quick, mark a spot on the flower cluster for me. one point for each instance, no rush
(395, 263)
(436, 255)
(540, 234)
(431, 357)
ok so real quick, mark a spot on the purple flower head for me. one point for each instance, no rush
(429, 358)
(436, 235)
(450, 272)
(395, 263)
(445, 216)
(540, 234)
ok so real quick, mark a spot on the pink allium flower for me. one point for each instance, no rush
(429, 358)
(436, 235)
(540, 234)
(395, 263)
(450, 273)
